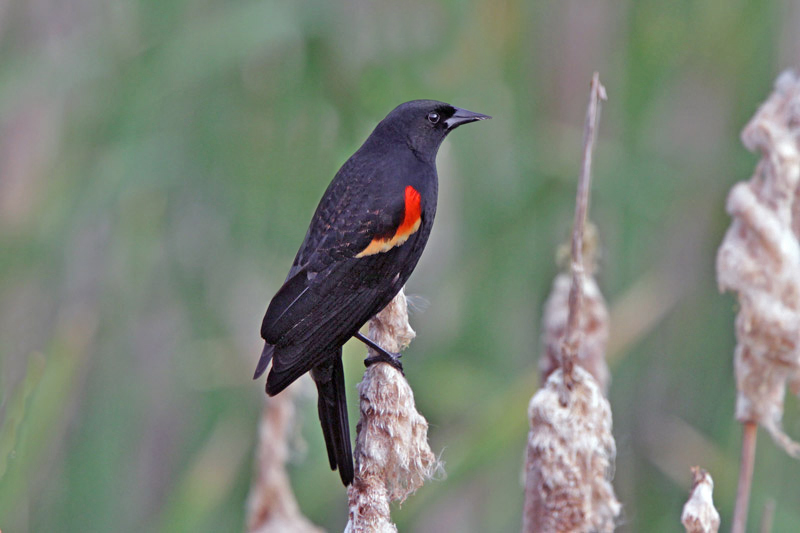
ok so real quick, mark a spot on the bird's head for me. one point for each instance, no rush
(423, 124)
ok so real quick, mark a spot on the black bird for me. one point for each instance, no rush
(365, 239)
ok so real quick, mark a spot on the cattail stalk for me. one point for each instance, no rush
(767, 515)
(594, 318)
(392, 455)
(572, 332)
(759, 258)
(746, 467)
(571, 451)
(271, 506)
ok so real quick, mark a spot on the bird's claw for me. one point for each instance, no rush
(385, 357)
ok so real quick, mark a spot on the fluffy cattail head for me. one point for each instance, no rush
(271, 506)
(760, 260)
(392, 455)
(699, 514)
(571, 451)
(570, 459)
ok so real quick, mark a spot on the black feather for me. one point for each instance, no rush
(281, 304)
(277, 380)
(263, 361)
(332, 409)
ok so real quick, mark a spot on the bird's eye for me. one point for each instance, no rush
(433, 117)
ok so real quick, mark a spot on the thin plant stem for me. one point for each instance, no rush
(571, 342)
(749, 433)
(767, 515)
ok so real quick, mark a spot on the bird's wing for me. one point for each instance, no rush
(347, 227)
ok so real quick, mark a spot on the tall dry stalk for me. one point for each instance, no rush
(767, 516)
(759, 258)
(392, 455)
(571, 451)
(573, 335)
(271, 506)
(594, 319)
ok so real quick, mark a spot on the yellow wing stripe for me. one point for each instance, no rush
(379, 245)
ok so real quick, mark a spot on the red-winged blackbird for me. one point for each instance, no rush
(365, 238)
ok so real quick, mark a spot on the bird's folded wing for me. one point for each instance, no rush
(330, 275)
(331, 309)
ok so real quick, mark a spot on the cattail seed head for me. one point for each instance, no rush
(392, 455)
(699, 514)
(271, 505)
(759, 258)
(570, 459)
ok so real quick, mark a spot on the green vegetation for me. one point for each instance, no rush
(159, 163)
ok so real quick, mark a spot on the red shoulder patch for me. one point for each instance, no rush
(413, 211)
(411, 221)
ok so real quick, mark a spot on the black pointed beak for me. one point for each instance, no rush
(462, 116)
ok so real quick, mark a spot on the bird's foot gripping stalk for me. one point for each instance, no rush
(381, 355)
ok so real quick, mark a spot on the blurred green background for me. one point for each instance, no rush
(159, 163)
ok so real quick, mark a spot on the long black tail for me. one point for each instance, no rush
(332, 407)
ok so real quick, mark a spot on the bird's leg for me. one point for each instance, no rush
(382, 356)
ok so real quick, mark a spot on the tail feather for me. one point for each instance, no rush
(332, 409)
(263, 361)
(331, 405)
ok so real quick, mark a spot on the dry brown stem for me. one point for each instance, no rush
(746, 466)
(767, 515)
(571, 451)
(572, 331)
(392, 455)
(593, 320)
(271, 506)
